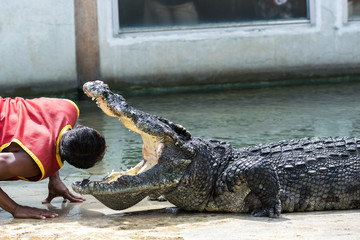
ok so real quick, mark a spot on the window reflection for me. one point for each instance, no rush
(170, 13)
(354, 8)
(280, 9)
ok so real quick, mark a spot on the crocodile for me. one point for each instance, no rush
(195, 174)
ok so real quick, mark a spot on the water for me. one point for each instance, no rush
(240, 117)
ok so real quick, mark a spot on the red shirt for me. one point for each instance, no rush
(37, 126)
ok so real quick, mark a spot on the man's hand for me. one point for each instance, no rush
(31, 212)
(58, 189)
(19, 211)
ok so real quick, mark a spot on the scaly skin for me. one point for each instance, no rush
(208, 175)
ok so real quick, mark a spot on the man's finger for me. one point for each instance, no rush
(49, 215)
(47, 200)
(73, 198)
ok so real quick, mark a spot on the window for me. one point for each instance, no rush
(354, 9)
(142, 15)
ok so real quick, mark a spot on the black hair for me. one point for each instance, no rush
(82, 147)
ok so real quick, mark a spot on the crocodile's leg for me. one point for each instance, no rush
(248, 184)
(264, 183)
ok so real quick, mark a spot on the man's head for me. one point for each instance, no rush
(82, 147)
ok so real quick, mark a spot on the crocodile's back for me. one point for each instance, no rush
(316, 173)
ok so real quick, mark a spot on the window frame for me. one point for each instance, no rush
(118, 32)
(348, 18)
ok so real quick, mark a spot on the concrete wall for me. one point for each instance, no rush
(37, 49)
(244, 54)
(37, 45)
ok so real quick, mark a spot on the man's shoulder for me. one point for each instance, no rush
(57, 104)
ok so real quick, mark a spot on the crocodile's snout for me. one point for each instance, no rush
(82, 187)
(95, 89)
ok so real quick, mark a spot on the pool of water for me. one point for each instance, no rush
(241, 117)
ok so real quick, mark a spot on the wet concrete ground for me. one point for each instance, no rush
(154, 220)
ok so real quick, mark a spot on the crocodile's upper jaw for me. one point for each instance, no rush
(152, 145)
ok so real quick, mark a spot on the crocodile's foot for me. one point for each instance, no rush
(271, 212)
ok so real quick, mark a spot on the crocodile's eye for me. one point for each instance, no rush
(84, 182)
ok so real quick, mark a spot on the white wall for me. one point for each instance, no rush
(328, 46)
(37, 49)
(37, 44)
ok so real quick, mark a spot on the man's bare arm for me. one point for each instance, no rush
(13, 164)
(14, 161)
(6, 202)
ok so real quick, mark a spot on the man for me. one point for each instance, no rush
(36, 137)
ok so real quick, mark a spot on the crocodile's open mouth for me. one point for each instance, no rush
(166, 151)
(151, 150)
(152, 145)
